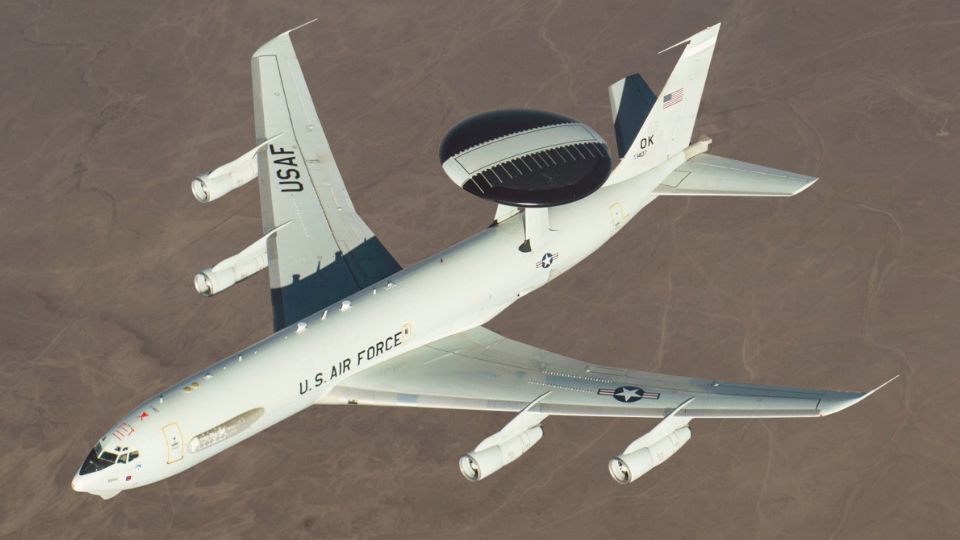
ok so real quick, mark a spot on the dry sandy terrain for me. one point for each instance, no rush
(109, 108)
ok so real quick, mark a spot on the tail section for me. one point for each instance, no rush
(665, 124)
(655, 132)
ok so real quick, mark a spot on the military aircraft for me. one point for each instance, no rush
(352, 327)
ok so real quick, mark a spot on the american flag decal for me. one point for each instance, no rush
(672, 98)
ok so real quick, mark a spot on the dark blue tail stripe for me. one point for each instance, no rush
(635, 105)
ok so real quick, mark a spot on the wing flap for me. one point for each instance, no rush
(706, 174)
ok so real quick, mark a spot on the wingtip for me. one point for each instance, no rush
(266, 48)
(868, 394)
(828, 407)
(805, 186)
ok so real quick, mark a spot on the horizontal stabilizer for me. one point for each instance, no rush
(710, 175)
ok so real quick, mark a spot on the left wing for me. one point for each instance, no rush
(482, 370)
(328, 252)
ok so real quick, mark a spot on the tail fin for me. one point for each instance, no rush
(666, 124)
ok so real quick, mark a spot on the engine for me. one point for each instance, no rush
(480, 464)
(226, 178)
(222, 276)
(634, 463)
(232, 270)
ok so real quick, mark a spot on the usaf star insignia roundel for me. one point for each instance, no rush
(628, 394)
(547, 260)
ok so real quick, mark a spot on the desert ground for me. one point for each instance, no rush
(109, 108)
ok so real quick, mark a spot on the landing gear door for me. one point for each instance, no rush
(174, 440)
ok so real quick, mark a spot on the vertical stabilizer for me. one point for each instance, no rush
(668, 125)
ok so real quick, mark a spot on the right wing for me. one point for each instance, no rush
(706, 174)
(328, 252)
(481, 370)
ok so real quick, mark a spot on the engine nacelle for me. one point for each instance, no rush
(480, 464)
(226, 178)
(232, 270)
(627, 467)
(212, 280)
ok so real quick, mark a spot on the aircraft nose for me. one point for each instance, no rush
(77, 483)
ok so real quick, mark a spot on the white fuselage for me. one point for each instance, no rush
(462, 287)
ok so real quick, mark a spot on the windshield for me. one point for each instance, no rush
(99, 459)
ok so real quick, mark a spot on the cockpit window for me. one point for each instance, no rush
(96, 462)
(99, 459)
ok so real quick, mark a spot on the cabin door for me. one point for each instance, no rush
(174, 440)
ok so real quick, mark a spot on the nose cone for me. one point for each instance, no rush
(82, 481)
(85, 484)
(77, 483)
